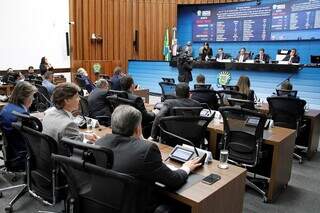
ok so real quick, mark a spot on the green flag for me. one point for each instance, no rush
(166, 48)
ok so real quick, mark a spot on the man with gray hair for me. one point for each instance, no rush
(137, 157)
(97, 99)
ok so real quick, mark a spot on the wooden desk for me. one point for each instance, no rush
(144, 93)
(314, 130)
(282, 141)
(226, 195)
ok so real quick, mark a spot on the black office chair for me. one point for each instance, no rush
(14, 163)
(186, 111)
(202, 86)
(225, 94)
(15, 159)
(44, 180)
(288, 112)
(84, 108)
(107, 191)
(230, 87)
(42, 99)
(103, 190)
(169, 80)
(247, 104)
(168, 90)
(287, 93)
(243, 137)
(183, 129)
(211, 97)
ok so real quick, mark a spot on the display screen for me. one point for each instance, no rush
(182, 154)
(293, 20)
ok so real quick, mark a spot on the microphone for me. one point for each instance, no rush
(182, 139)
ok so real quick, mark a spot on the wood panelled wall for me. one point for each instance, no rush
(116, 21)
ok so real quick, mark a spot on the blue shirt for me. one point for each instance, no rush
(115, 82)
(15, 141)
(6, 116)
(50, 86)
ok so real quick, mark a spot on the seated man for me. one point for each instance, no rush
(115, 80)
(97, 99)
(221, 55)
(138, 157)
(83, 75)
(47, 82)
(243, 55)
(262, 57)
(204, 97)
(127, 85)
(292, 57)
(58, 121)
(182, 100)
(31, 75)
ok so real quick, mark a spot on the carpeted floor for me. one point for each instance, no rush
(302, 194)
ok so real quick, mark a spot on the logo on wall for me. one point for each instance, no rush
(223, 78)
(96, 68)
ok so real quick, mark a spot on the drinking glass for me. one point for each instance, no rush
(223, 164)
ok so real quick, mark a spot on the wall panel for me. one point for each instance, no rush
(116, 21)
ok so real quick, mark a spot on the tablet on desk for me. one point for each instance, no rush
(181, 154)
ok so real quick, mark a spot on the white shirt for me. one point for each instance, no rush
(241, 58)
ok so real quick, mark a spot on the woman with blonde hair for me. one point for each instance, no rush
(244, 87)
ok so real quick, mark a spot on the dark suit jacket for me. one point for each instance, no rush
(98, 103)
(246, 57)
(295, 59)
(141, 159)
(115, 82)
(206, 96)
(265, 57)
(147, 117)
(224, 56)
(167, 108)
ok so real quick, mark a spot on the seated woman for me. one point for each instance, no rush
(83, 76)
(58, 120)
(20, 101)
(244, 87)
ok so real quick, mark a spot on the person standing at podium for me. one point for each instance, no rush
(243, 55)
(205, 52)
(262, 57)
(292, 57)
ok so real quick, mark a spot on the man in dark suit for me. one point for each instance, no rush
(182, 100)
(138, 157)
(97, 99)
(115, 80)
(204, 95)
(292, 57)
(262, 57)
(221, 55)
(128, 86)
(243, 55)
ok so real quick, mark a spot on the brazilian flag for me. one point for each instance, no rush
(166, 48)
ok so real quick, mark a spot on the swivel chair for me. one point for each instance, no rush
(168, 90)
(288, 112)
(244, 141)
